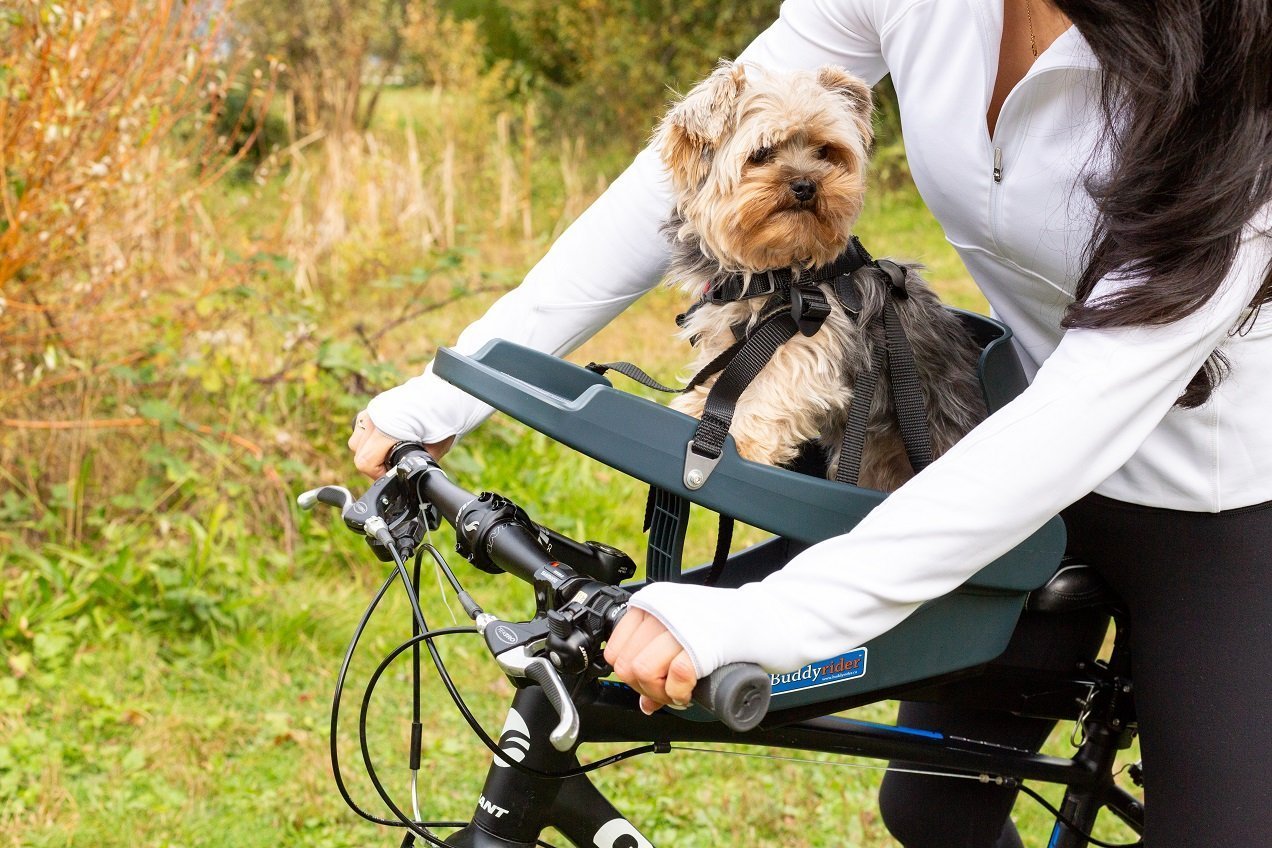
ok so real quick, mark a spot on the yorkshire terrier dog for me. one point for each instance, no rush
(769, 172)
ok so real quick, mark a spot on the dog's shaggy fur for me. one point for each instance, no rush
(769, 171)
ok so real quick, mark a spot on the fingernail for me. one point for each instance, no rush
(679, 705)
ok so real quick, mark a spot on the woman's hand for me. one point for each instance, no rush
(371, 447)
(648, 658)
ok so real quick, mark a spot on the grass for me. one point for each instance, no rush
(170, 662)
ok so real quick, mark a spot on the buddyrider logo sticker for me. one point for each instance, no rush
(823, 672)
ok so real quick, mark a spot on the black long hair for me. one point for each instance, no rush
(1187, 100)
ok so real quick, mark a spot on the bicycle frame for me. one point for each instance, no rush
(515, 807)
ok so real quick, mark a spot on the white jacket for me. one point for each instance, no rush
(1098, 415)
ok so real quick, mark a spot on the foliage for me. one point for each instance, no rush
(326, 45)
(612, 63)
(106, 110)
(606, 70)
(255, 132)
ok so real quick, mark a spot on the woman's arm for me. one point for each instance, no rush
(615, 251)
(1094, 401)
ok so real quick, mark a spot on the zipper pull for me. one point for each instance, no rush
(998, 164)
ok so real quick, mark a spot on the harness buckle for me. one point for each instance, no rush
(809, 308)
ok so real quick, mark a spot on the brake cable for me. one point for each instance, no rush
(426, 638)
(415, 828)
(422, 634)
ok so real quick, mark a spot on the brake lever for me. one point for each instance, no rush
(522, 663)
(336, 496)
(516, 647)
(356, 512)
(366, 515)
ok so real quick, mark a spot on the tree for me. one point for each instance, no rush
(329, 46)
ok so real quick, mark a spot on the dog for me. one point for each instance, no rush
(768, 171)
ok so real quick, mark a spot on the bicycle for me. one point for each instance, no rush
(563, 700)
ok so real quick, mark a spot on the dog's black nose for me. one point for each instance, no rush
(803, 189)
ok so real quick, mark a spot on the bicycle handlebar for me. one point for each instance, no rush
(496, 535)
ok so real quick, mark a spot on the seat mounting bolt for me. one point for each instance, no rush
(694, 479)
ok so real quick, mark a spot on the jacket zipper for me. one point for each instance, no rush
(998, 164)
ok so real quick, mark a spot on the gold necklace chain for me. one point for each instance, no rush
(1033, 42)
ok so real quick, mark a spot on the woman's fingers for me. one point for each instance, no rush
(648, 658)
(647, 670)
(370, 447)
(681, 678)
(622, 634)
(359, 434)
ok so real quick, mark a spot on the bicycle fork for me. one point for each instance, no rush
(515, 807)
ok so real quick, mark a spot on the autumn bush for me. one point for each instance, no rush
(185, 326)
(107, 113)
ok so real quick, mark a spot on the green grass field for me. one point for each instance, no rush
(170, 675)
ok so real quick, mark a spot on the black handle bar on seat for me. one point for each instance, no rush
(737, 694)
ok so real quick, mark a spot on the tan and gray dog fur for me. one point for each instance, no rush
(769, 171)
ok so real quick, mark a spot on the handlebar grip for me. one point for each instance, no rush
(737, 694)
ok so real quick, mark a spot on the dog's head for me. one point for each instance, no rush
(769, 168)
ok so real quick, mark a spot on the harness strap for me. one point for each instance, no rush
(780, 281)
(722, 400)
(636, 373)
(724, 540)
(906, 393)
(853, 444)
(797, 305)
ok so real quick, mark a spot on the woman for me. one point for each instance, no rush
(1108, 185)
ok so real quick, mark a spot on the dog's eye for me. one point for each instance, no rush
(822, 152)
(761, 156)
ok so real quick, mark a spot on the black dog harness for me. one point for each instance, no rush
(797, 304)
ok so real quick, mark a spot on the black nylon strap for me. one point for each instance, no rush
(848, 296)
(852, 446)
(906, 394)
(722, 400)
(634, 372)
(724, 541)
(903, 378)
(780, 281)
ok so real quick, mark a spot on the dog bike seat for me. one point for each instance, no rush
(646, 440)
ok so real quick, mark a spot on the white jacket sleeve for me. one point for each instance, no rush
(1093, 402)
(615, 251)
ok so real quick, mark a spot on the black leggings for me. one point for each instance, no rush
(1199, 590)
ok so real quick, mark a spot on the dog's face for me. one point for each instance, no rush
(769, 169)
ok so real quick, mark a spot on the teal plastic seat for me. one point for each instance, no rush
(646, 440)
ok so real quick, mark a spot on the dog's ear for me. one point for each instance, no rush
(854, 90)
(692, 130)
